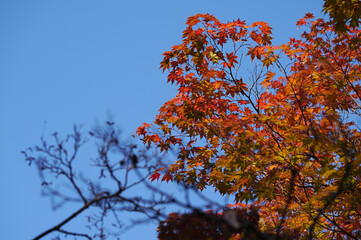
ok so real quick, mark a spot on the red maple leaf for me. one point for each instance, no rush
(154, 176)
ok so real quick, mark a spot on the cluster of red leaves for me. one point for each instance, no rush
(208, 225)
(287, 139)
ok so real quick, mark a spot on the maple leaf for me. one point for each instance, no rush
(167, 177)
(141, 129)
(154, 176)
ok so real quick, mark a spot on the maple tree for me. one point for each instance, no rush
(277, 127)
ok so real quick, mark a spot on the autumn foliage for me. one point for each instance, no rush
(274, 126)
(343, 13)
(209, 225)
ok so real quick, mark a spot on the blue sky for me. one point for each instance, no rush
(72, 61)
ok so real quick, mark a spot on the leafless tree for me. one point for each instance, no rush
(103, 188)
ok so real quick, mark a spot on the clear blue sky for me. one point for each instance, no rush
(72, 61)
